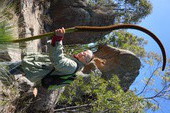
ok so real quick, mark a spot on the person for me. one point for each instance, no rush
(54, 69)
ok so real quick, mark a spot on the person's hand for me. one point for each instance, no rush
(59, 35)
(60, 32)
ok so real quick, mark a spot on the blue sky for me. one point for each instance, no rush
(159, 23)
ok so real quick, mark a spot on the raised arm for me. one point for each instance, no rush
(57, 57)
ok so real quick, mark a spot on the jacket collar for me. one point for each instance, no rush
(80, 65)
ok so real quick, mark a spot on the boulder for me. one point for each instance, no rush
(117, 61)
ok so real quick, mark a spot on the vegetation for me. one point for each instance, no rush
(125, 11)
(8, 86)
(100, 95)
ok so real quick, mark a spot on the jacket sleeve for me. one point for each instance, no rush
(60, 62)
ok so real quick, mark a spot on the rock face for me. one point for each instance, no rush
(30, 24)
(123, 63)
(120, 62)
(70, 13)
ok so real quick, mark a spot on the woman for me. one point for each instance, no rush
(55, 69)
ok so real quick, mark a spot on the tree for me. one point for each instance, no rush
(98, 95)
(126, 11)
(125, 40)
(156, 83)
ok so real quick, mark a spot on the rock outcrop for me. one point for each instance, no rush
(123, 63)
(70, 13)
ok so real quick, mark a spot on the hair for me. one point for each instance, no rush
(92, 56)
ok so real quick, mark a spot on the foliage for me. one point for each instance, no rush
(125, 11)
(8, 86)
(8, 23)
(5, 30)
(125, 40)
(134, 10)
(156, 76)
(74, 49)
(101, 95)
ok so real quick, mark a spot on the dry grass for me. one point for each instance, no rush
(8, 91)
(8, 86)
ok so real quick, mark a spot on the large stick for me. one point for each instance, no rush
(68, 30)
(100, 29)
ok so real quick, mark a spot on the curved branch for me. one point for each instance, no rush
(125, 26)
(99, 29)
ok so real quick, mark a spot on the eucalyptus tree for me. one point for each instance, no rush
(125, 11)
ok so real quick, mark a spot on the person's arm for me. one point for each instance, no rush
(57, 57)
(58, 37)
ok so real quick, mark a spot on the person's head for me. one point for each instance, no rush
(85, 57)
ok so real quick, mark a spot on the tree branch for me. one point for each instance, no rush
(148, 81)
(157, 95)
(73, 107)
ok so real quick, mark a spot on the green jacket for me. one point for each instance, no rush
(36, 66)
